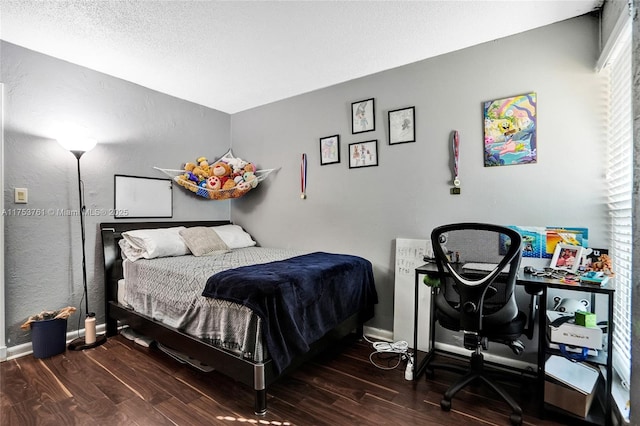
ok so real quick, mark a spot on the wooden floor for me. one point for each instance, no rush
(122, 383)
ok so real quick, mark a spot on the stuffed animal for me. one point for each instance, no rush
(204, 165)
(603, 264)
(229, 184)
(213, 182)
(221, 169)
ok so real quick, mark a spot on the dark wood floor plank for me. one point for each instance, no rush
(133, 378)
(78, 375)
(14, 385)
(155, 372)
(188, 414)
(42, 381)
(122, 383)
(142, 413)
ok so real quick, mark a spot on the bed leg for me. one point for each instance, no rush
(261, 402)
(112, 327)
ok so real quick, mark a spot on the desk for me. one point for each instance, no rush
(532, 284)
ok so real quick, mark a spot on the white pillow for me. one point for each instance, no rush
(130, 252)
(160, 242)
(234, 236)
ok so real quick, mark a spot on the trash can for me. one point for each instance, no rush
(49, 337)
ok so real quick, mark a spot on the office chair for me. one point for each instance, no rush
(478, 265)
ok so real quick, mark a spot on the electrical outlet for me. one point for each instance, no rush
(21, 195)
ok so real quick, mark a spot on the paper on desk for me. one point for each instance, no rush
(576, 375)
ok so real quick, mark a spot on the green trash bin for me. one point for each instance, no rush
(49, 337)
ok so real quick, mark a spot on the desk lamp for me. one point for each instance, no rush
(79, 146)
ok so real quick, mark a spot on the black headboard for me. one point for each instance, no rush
(112, 233)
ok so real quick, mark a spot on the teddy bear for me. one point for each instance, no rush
(221, 169)
(229, 184)
(204, 164)
(214, 182)
(603, 264)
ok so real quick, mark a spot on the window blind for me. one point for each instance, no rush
(619, 177)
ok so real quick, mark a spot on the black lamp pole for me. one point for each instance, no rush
(80, 343)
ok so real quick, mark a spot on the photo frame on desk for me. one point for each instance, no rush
(566, 257)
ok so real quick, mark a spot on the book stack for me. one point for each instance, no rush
(592, 277)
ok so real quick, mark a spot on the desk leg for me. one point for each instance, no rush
(420, 366)
(416, 305)
(542, 343)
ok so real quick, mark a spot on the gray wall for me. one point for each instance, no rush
(362, 211)
(136, 129)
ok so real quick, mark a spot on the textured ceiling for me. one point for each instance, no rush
(236, 55)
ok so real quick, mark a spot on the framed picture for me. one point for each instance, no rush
(566, 257)
(362, 116)
(402, 127)
(363, 154)
(510, 127)
(330, 150)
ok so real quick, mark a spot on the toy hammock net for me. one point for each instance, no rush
(227, 177)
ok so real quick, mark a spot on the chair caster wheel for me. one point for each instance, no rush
(515, 419)
(445, 405)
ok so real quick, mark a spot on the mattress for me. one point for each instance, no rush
(169, 290)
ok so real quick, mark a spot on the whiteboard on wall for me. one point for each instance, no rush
(142, 197)
(409, 255)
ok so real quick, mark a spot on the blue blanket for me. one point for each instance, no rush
(299, 299)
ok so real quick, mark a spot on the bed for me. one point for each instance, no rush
(251, 313)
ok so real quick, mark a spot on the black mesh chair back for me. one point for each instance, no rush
(478, 265)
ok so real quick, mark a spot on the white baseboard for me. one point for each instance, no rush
(27, 349)
(378, 333)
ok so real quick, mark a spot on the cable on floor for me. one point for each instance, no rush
(389, 352)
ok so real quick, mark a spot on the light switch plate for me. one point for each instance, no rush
(21, 195)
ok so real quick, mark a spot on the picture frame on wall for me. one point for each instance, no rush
(329, 150)
(566, 257)
(363, 154)
(510, 131)
(402, 128)
(363, 116)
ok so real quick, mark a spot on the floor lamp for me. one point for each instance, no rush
(79, 146)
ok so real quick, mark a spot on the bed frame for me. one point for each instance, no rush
(258, 375)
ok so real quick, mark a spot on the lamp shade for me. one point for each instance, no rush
(77, 144)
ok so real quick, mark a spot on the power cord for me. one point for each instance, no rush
(388, 352)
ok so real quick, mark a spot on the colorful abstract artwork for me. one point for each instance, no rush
(510, 131)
